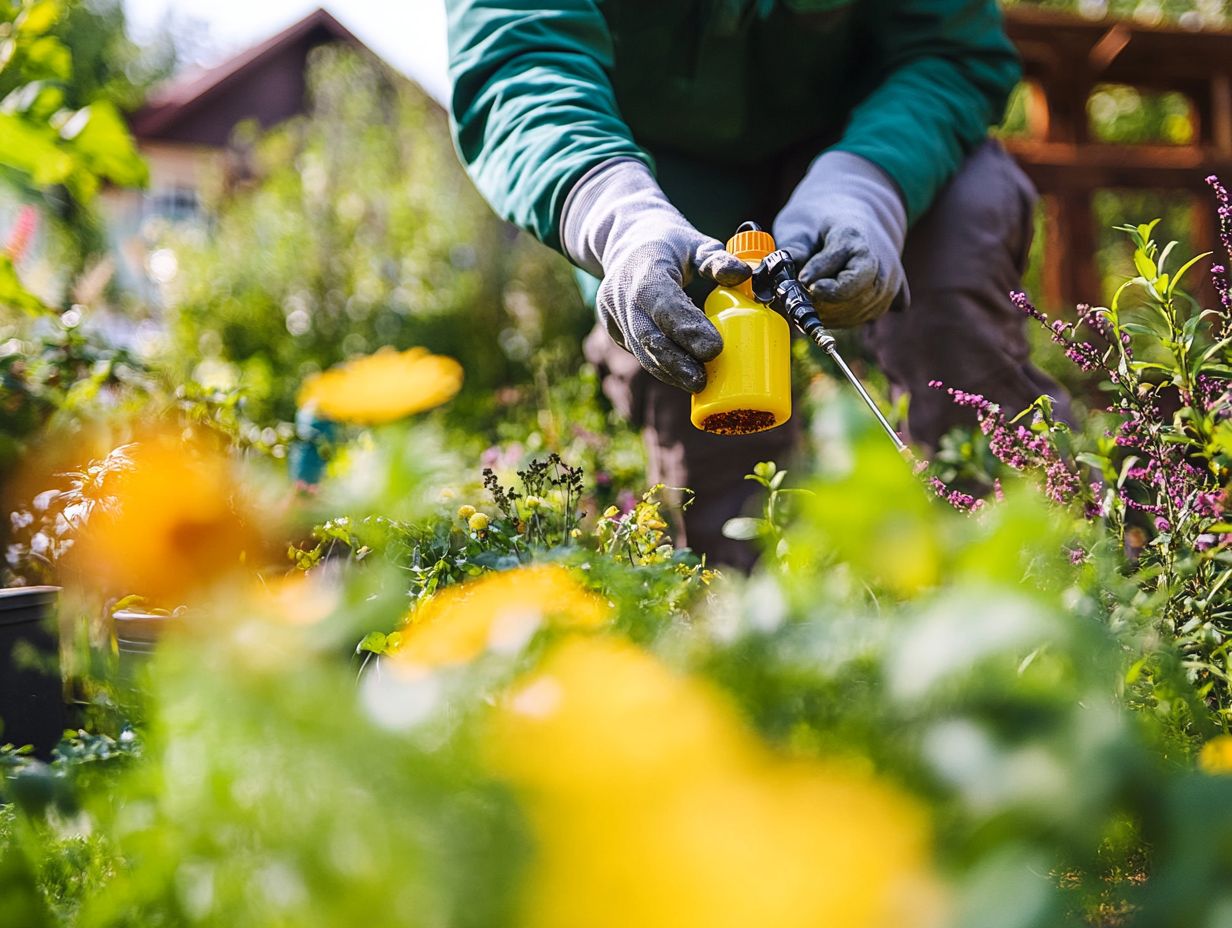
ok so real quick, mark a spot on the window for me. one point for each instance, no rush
(173, 203)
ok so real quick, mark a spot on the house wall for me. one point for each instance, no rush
(179, 172)
(178, 164)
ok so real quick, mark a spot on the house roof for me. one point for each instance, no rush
(174, 110)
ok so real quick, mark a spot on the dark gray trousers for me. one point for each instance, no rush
(962, 258)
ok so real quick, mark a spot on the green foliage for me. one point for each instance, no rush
(1036, 670)
(986, 678)
(395, 834)
(55, 377)
(47, 367)
(776, 512)
(1159, 459)
(566, 416)
(67, 70)
(43, 141)
(106, 63)
(551, 515)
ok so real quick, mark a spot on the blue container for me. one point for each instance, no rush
(313, 438)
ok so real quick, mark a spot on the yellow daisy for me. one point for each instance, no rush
(497, 612)
(382, 387)
(167, 524)
(653, 804)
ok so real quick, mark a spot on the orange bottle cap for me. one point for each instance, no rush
(751, 245)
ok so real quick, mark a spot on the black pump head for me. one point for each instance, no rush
(774, 283)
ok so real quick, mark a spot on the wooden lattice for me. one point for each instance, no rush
(1065, 57)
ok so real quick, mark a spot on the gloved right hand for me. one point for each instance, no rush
(845, 225)
(617, 223)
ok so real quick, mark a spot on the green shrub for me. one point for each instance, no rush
(359, 231)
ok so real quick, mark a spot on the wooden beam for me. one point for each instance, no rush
(1070, 245)
(1205, 231)
(1156, 53)
(1063, 166)
(1064, 57)
(1221, 113)
(1039, 117)
(1110, 45)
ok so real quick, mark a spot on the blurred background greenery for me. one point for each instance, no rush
(1026, 749)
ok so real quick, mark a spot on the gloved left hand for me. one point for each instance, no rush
(844, 226)
(617, 222)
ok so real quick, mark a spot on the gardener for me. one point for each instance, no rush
(632, 136)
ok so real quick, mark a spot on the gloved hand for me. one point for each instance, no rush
(844, 226)
(617, 223)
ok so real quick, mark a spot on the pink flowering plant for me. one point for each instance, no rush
(1150, 473)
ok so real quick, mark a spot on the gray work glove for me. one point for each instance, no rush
(844, 226)
(618, 224)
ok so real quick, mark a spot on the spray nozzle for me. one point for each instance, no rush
(774, 283)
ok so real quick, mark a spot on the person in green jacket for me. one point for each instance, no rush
(634, 136)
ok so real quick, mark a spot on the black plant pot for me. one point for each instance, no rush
(32, 707)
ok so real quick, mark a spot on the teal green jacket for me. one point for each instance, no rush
(718, 95)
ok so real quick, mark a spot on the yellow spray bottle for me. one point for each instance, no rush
(748, 386)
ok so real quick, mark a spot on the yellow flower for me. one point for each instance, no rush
(465, 512)
(166, 524)
(611, 512)
(498, 612)
(477, 522)
(296, 599)
(647, 516)
(1216, 755)
(653, 805)
(382, 387)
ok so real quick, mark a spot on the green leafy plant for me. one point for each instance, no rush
(776, 511)
(1156, 458)
(55, 375)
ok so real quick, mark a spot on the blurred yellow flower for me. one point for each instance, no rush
(465, 512)
(654, 806)
(296, 599)
(497, 612)
(477, 522)
(1216, 755)
(382, 387)
(165, 524)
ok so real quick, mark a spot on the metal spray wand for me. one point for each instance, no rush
(774, 283)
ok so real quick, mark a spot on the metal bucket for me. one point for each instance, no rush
(32, 707)
(137, 634)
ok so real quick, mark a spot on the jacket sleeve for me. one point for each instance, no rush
(948, 70)
(532, 107)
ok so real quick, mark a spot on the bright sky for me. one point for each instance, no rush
(409, 34)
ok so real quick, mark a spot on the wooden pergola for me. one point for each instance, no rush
(1065, 57)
